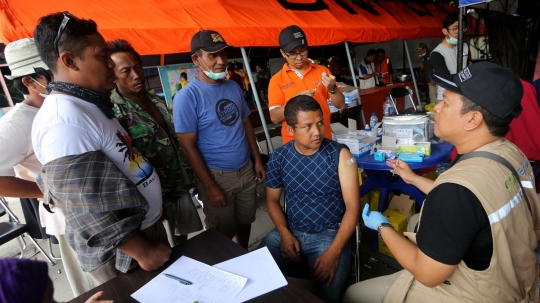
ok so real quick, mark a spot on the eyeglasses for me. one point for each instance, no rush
(67, 17)
(293, 56)
(455, 29)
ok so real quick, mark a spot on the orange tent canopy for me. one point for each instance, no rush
(166, 26)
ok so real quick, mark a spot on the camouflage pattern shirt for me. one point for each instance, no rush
(154, 143)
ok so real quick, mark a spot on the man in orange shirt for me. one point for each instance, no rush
(301, 77)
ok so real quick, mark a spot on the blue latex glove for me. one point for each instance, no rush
(372, 218)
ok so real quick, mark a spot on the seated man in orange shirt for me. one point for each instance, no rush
(301, 77)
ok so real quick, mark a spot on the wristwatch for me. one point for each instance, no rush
(381, 226)
(333, 91)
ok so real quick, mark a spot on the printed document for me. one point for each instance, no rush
(208, 284)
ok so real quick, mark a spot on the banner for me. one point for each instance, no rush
(471, 2)
(170, 78)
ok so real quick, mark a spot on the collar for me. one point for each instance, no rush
(309, 67)
(102, 101)
(117, 98)
(287, 68)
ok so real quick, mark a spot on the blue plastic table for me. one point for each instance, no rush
(378, 176)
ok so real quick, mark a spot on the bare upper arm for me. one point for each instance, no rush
(273, 194)
(430, 272)
(348, 178)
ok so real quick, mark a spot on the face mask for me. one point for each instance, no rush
(452, 40)
(423, 54)
(214, 76)
(41, 94)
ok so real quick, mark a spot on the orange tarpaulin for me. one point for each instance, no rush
(166, 26)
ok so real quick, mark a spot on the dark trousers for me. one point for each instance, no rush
(30, 208)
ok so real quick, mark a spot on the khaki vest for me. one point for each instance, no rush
(513, 272)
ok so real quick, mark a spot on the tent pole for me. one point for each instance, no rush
(460, 40)
(351, 66)
(412, 74)
(257, 101)
(5, 88)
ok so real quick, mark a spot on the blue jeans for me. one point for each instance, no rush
(312, 245)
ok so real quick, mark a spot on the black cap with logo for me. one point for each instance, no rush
(495, 88)
(292, 37)
(209, 41)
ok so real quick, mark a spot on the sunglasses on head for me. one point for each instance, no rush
(63, 25)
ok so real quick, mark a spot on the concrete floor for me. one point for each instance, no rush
(373, 263)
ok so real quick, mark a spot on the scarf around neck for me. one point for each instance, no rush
(102, 101)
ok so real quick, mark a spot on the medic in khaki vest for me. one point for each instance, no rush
(477, 234)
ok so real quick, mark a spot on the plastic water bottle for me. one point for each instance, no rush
(368, 130)
(388, 107)
(373, 120)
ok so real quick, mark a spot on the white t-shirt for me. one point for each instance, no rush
(17, 157)
(67, 125)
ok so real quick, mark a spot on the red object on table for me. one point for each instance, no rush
(374, 98)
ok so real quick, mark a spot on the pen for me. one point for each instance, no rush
(185, 282)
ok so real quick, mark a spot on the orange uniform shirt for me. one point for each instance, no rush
(286, 84)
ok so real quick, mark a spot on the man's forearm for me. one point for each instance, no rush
(346, 229)
(338, 100)
(277, 115)
(425, 270)
(424, 184)
(135, 246)
(277, 216)
(19, 188)
(403, 250)
(197, 164)
(252, 140)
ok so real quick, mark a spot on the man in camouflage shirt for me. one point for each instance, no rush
(149, 124)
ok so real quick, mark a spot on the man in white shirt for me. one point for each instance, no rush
(444, 56)
(77, 119)
(18, 163)
(367, 73)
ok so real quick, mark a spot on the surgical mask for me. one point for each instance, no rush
(41, 94)
(423, 54)
(214, 76)
(452, 40)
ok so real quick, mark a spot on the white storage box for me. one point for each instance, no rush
(358, 144)
(408, 129)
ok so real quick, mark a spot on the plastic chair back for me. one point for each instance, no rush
(398, 92)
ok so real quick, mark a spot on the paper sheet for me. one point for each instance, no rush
(210, 284)
(261, 270)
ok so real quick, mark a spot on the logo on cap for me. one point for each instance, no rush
(298, 35)
(464, 75)
(216, 37)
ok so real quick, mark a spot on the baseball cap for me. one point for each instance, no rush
(292, 37)
(22, 57)
(495, 88)
(420, 47)
(209, 41)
